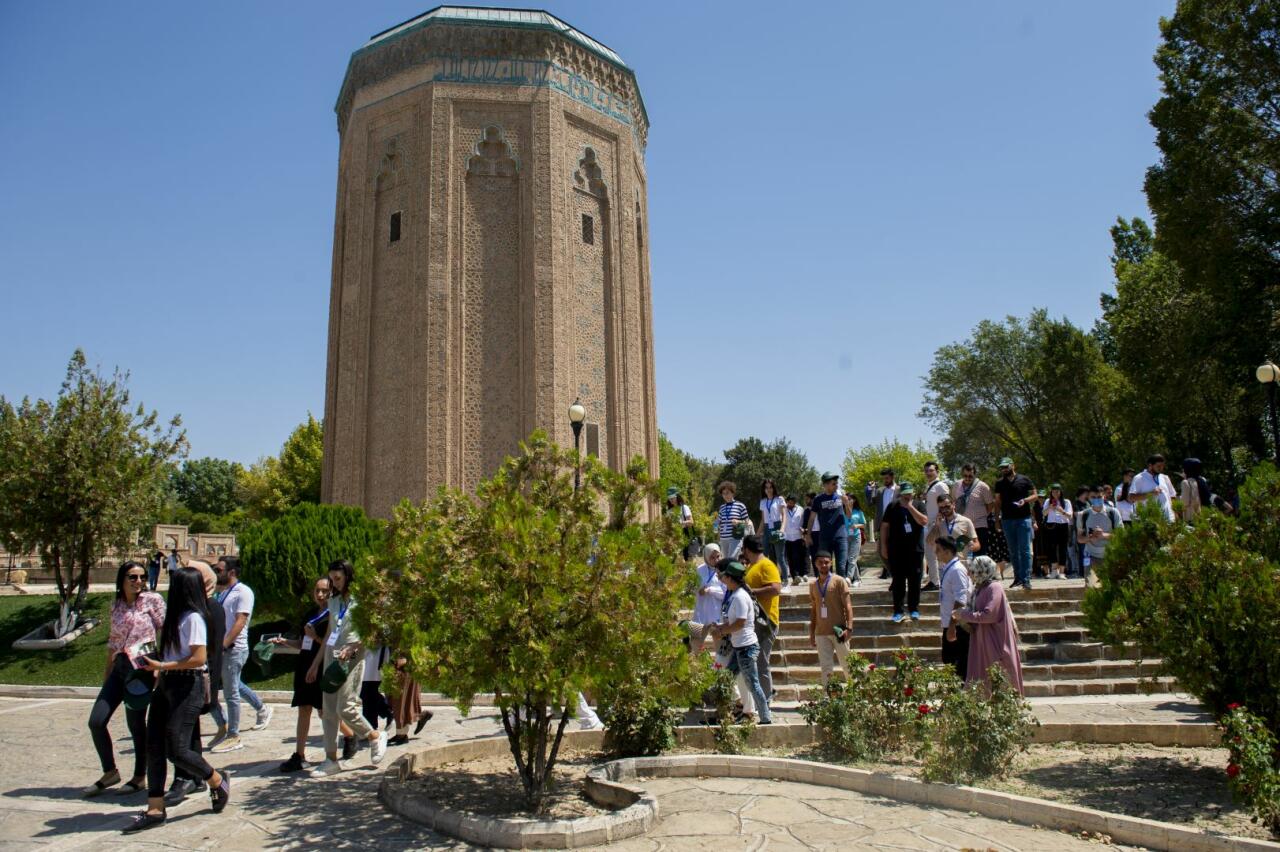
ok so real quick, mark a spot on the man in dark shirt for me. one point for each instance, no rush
(832, 508)
(902, 550)
(1015, 495)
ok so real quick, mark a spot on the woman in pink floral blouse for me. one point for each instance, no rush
(136, 618)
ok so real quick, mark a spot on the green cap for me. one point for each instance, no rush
(1057, 485)
(672, 491)
(1006, 462)
(828, 476)
(734, 569)
(906, 488)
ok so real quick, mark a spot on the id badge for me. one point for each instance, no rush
(906, 528)
(822, 612)
(307, 642)
(332, 641)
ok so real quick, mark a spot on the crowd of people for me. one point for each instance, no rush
(954, 539)
(169, 659)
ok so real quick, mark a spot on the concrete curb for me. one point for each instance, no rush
(636, 813)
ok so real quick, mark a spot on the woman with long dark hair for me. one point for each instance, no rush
(1059, 518)
(136, 617)
(772, 510)
(180, 696)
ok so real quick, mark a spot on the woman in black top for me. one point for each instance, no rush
(307, 694)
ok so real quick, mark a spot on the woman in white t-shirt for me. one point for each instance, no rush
(737, 621)
(683, 515)
(179, 698)
(1057, 531)
(773, 511)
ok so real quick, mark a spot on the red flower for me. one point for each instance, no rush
(924, 710)
(908, 692)
(1234, 705)
(901, 656)
(1233, 769)
(871, 667)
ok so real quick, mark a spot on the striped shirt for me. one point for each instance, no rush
(730, 514)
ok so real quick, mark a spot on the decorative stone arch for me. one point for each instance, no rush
(589, 177)
(492, 155)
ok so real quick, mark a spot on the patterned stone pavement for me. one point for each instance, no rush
(46, 758)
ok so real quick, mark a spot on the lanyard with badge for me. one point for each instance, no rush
(947, 569)
(332, 641)
(307, 641)
(822, 596)
(223, 597)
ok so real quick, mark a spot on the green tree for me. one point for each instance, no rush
(283, 557)
(863, 464)
(208, 485)
(673, 472)
(751, 461)
(696, 478)
(275, 483)
(1033, 390)
(1216, 190)
(1172, 395)
(532, 591)
(80, 474)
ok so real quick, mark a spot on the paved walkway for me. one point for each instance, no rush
(46, 758)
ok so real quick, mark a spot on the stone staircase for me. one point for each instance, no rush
(1058, 656)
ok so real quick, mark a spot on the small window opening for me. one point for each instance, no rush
(395, 227)
(593, 439)
(588, 230)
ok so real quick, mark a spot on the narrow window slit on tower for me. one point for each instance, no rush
(395, 227)
(588, 230)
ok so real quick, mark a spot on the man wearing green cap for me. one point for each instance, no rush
(737, 621)
(1015, 495)
(902, 549)
(832, 509)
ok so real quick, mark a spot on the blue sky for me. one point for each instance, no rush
(836, 189)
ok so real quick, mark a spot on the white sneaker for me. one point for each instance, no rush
(379, 748)
(329, 767)
(218, 737)
(264, 718)
(857, 583)
(231, 743)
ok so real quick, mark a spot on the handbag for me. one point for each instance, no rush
(138, 687)
(335, 675)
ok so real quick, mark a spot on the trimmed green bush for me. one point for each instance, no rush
(282, 558)
(970, 736)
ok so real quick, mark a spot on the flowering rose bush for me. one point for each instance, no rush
(1251, 769)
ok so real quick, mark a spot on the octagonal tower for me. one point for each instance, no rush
(490, 259)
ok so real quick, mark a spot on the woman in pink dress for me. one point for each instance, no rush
(995, 635)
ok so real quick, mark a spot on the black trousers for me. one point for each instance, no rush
(373, 704)
(104, 707)
(957, 653)
(905, 568)
(1055, 542)
(798, 558)
(174, 713)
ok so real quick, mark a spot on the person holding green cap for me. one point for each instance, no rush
(682, 515)
(1058, 519)
(1015, 495)
(737, 621)
(902, 549)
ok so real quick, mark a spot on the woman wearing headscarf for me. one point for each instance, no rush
(137, 616)
(995, 635)
(1196, 493)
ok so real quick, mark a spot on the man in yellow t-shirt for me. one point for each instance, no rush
(764, 581)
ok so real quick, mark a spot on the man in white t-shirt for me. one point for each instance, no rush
(793, 534)
(237, 604)
(1152, 483)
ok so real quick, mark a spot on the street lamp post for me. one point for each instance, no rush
(577, 414)
(1269, 375)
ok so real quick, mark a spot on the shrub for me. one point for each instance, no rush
(1251, 772)
(282, 558)
(637, 723)
(878, 710)
(970, 736)
(731, 737)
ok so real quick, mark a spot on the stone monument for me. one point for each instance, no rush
(490, 255)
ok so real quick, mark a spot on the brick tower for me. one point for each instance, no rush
(490, 260)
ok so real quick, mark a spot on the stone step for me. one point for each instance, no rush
(930, 621)
(793, 611)
(1032, 670)
(875, 596)
(925, 639)
(1039, 688)
(1062, 652)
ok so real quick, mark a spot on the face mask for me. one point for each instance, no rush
(1095, 502)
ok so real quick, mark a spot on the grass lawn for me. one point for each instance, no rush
(83, 662)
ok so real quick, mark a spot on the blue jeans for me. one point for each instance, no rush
(743, 662)
(1018, 535)
(233, 689)
(839, 549)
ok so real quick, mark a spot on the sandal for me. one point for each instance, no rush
(131, 786)
(111, 779)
